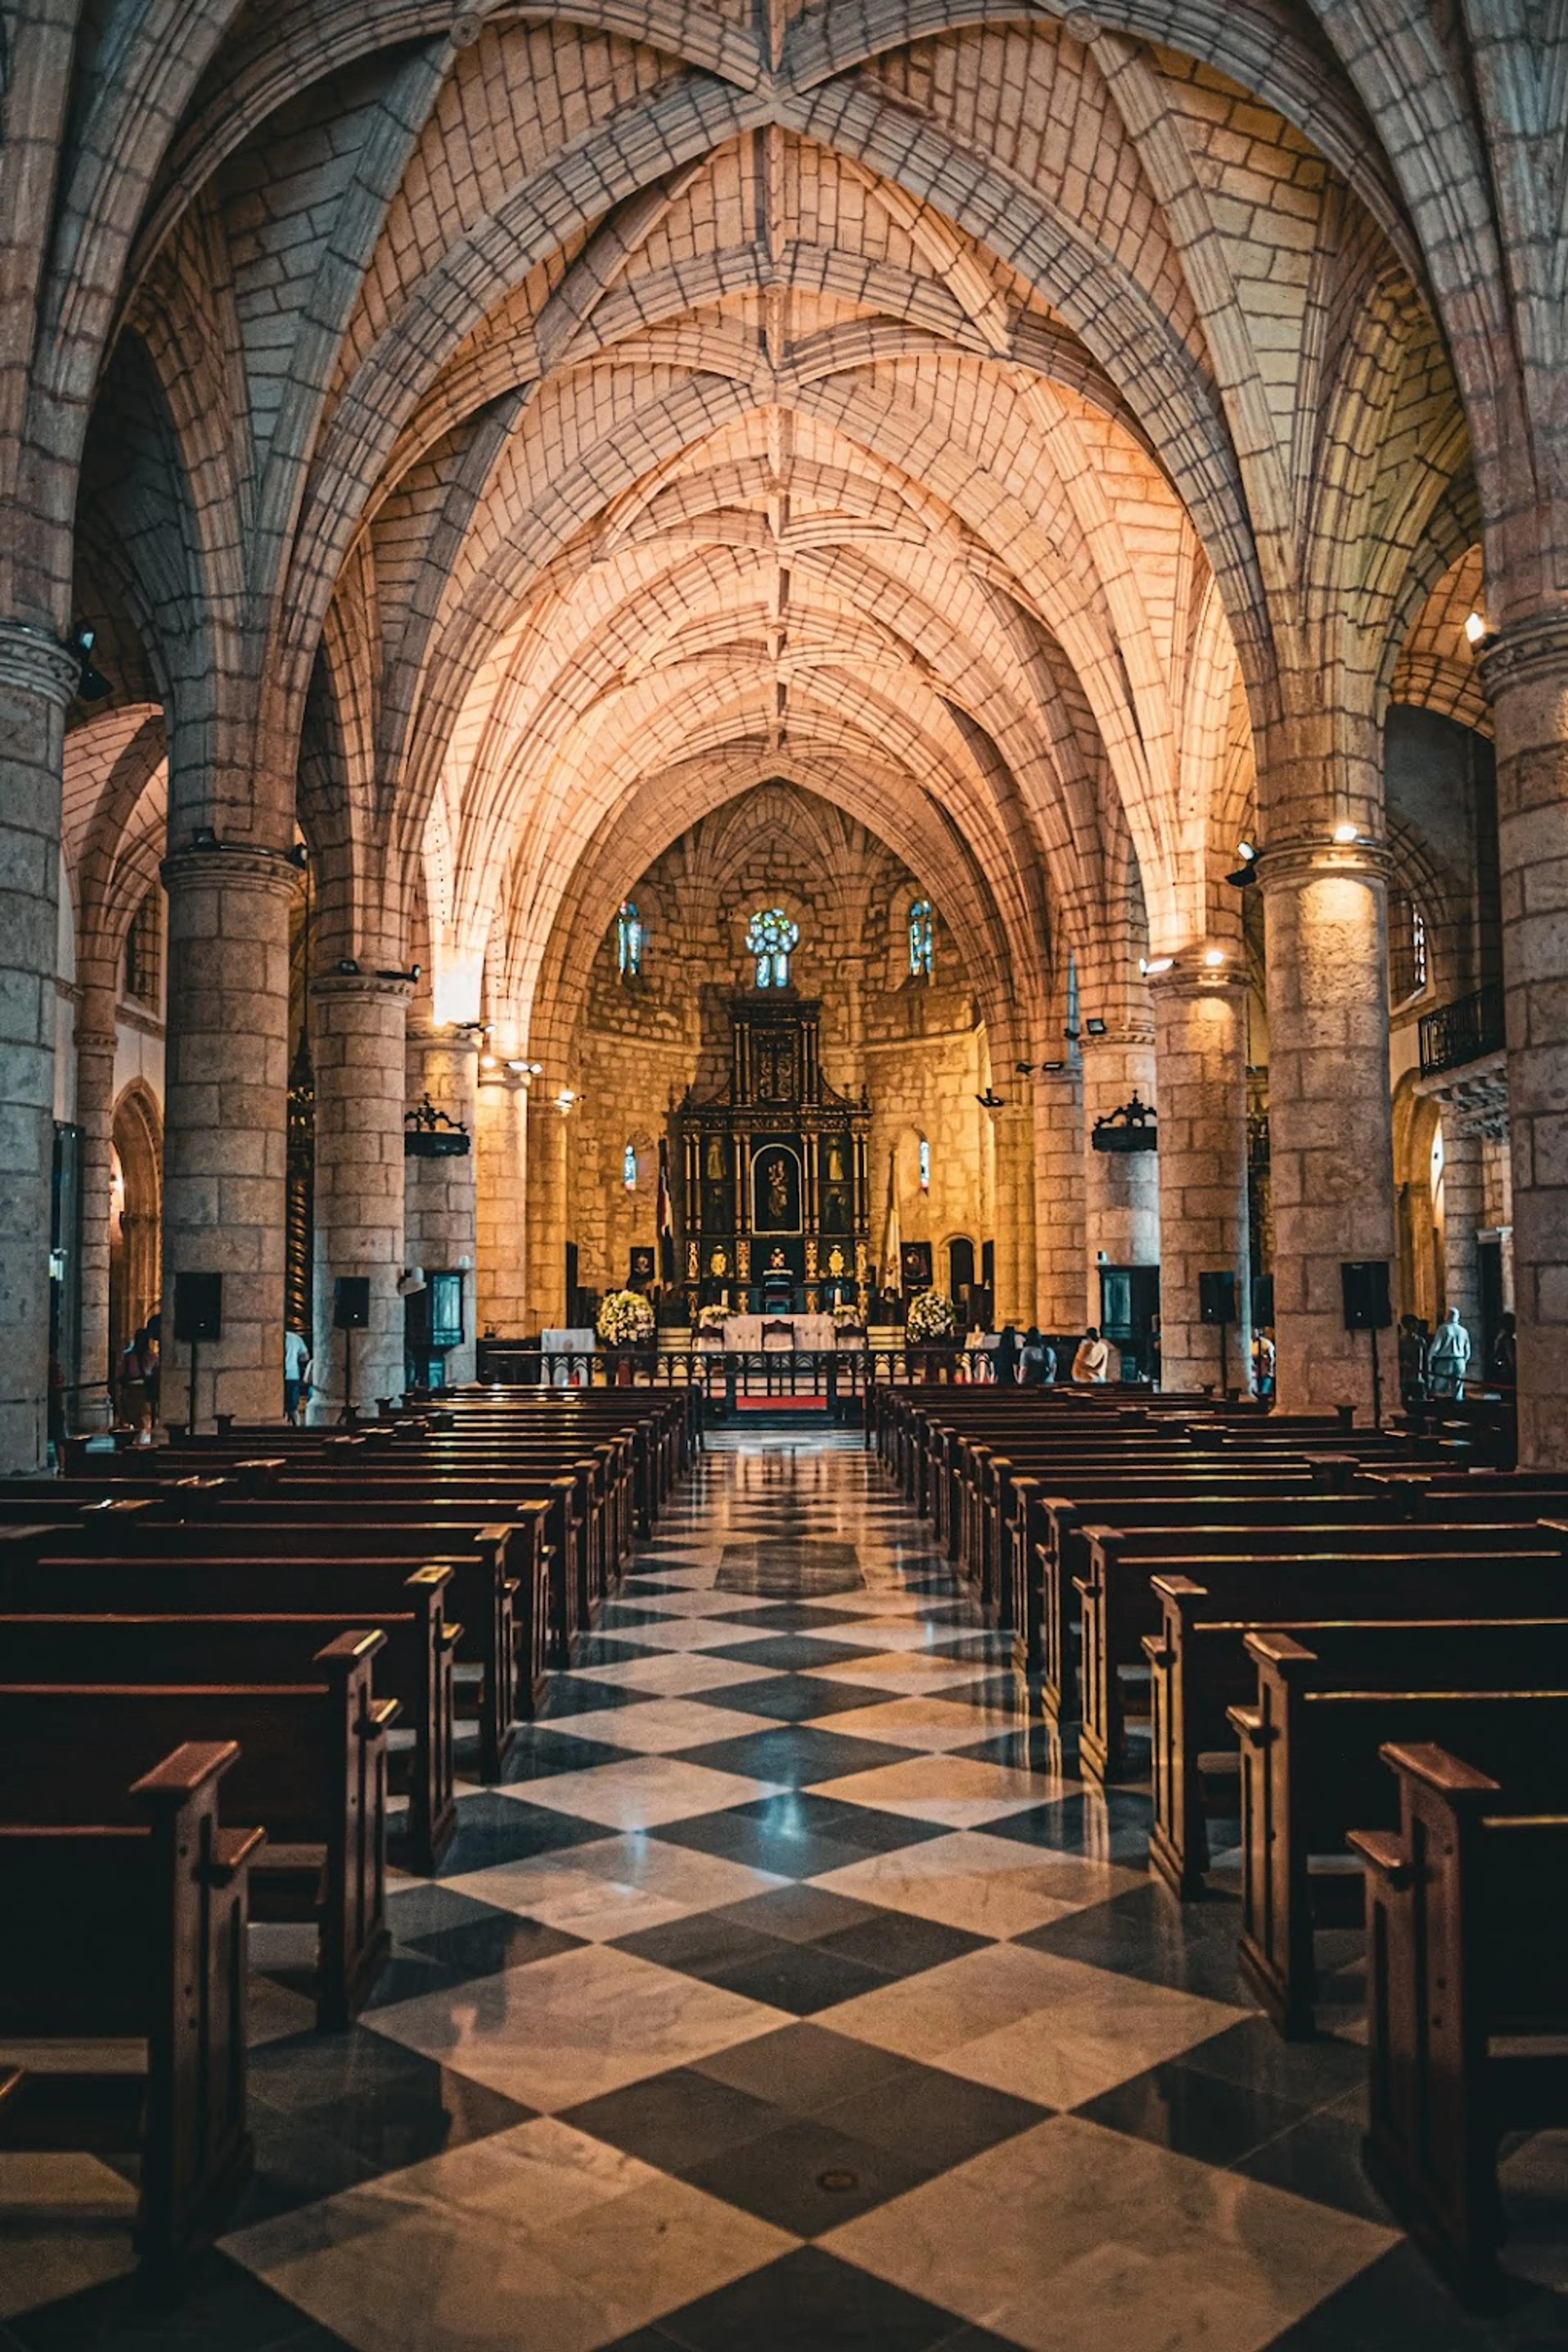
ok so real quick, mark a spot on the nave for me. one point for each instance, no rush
(791, 1993)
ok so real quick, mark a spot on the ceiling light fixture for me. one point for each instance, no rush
(1475, 628)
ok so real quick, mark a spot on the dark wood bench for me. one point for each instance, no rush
(1118, 1605)
(148, 1634)
(127, 1912)
(1467, 1952)
(1311, 1744)
(312, 1771)
(1200, 1668)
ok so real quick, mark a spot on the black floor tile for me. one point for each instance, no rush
(1320, 2158)
(696, 1945)
(492, 1829)
(806, 2176)
(1145, 1932)
(946, 2119)
(541, 1751)
(569, 1694)
(799, 1978)
(1399, 2302)
(1191, 2114)
(1104, 1829)
(808, 2302)
(225, 2310)
(791, 1698)
(799, 1913)
(807, 2068)
(795, 1756)
(676, 2120)
(792, 1654)
(895, 1943)
(1310, 2074)
(797, 1834)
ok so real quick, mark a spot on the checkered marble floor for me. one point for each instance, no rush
(793, 1992)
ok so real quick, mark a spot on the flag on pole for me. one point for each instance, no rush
(666, 1215)
(893, 1235)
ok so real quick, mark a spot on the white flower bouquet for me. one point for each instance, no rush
(932, 1318)
(625, 1320)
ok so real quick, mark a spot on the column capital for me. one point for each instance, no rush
(1132, 1033)
(242, 867)
(38, 663)
(1186, 978)
(1290, 864)
(458, 1037)
(1528, 650)
(97, 1041)
(328, 987)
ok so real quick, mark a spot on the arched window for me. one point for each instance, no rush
(629, 1168)
(923, 944)
(143, 946)
(1408, 952)
(925, 1164)
(772, 938)
(629, 940)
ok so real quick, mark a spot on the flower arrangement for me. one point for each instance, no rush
(712, 1318)
(933, 1317)
(625, 1318)
(847, 1317)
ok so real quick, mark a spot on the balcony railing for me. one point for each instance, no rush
(1462, 1032)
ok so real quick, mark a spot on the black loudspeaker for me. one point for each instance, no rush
(1364, 1281)
(1217, 1297)
(198, 1306)
(350, 1302)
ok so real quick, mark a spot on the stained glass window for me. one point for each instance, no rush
(629, 939)
(629, 1168)
(772, 938)
(922, 945)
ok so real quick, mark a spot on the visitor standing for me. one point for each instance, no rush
(1092, 1361)
(296, 1375)
(1448, 1357)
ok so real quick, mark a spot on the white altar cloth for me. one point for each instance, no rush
(743, 1333)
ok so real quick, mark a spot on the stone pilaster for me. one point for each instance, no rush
(549, 1135)
(439, 1195)
(95, 1048)
(1121, 1191)
(1200, 1051)
(1331, 1146)
(1058, 1199)
(225, 1120)
(1013, 1135)
(358, 1044)
(1526, 675)
(37, 679)
(500, 1256)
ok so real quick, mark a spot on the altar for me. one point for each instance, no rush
(773, 1211)
(743, 1334)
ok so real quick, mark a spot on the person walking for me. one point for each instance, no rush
(296, 1375)
(1093, 1363)
(1448, 1357)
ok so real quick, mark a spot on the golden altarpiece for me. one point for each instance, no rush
(773, 1211)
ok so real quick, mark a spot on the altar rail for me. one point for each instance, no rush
(840, 1376)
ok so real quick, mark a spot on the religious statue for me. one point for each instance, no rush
(778, 1263)
(835, 1164)
(715, 1161)
(835, 1263)
(719, 1262)
(777, 1177)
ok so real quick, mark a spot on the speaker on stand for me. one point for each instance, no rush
(1216, 1306)
(198, 1317)
(1364, 1282)
(350, 1312)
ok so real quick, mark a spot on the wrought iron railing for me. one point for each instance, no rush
(1462, 1032)
(833, 1374)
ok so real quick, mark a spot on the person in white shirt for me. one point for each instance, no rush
(1092, 1361)
(1448, 1357)
(296, 1375)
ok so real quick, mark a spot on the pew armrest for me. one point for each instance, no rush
(1246, 1722)
(1277, 1649)
(233, 1850)
(1158, 1651)
(1423, 1760)
(185, 1770)
(1384, 1854)
(380, 1717)
(1181, 1587)
(449, 1635)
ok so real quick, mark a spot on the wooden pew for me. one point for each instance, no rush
(312, 1771)
(1468, 1950)
(1200, 1667)
(128, 1923)
(201, 1642)
(1310, 1745)
(1118, 1605)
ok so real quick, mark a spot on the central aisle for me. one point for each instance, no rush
(789, 1997)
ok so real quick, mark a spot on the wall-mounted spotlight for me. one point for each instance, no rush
(91, 683)
(1345, 834)
(1475, 628)
(1095, 1026)
(1050, 1069)
(1149, 966)
(411, 975)
(1213, 958)
(204, 838)
(990, 1099)
(1024, 1069)
(1246, 873)
(348, 964)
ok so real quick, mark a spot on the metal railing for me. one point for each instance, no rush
(1462, 1032)
(836, 1375)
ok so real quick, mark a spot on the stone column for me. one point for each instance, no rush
(358, 1041)
(95, 1049)
(548, 1137)
(1200, 1049)
(1464, 1213)
(1058, 1201)
(500, 1256)
(226, 1119)
(1330, 1142)
(1121, 1191)
(1012, 1131)
(439, 1194)
(37, 679)
(1526, 675)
